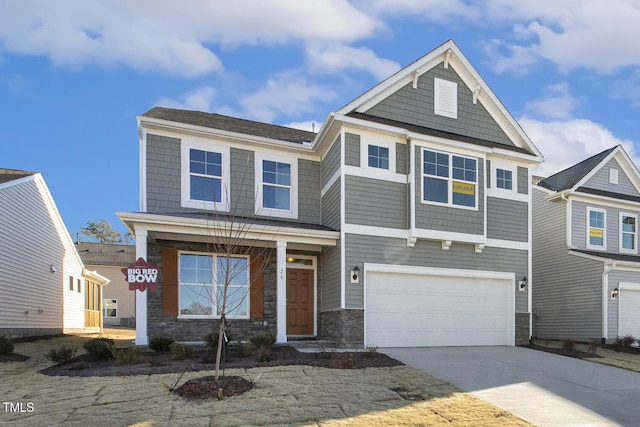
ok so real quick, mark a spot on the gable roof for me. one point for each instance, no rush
(7, 175)
(570, 177)
(450, 54)
(231, 124)
(106, 253)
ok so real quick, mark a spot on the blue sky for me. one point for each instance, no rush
(74, 74)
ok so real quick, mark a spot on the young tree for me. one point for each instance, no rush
(103, 232)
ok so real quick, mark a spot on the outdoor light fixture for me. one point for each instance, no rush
(522, 284)
(52, 268)
(355, 275)
(614, 293)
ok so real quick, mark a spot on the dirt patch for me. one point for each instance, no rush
(209, 388)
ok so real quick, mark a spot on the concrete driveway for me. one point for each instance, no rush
(543, 388)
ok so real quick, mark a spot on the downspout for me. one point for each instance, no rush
(563, 196)
(605, 300)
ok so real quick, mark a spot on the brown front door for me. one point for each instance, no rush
(300, 301)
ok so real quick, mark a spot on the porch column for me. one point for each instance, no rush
(142, 337)
(281, 292)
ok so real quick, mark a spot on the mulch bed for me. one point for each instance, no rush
(564, 352)
(203, 359)
(13, 357)
(622, 348)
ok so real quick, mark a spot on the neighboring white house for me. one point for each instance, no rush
(44, 287)
(119, 303)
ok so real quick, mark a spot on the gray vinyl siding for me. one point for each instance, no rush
(507, 219)
(331, 206)
(385, 250)
(612, 230)
(309, 191)
(351, 149)
(415, 106)
(600, 181)
(375, 202)
(523, 180)
(402, 158)
(331, 162)
(163, 174)
(566, 289)
(330, 290)
(242, 190)
(444, 218)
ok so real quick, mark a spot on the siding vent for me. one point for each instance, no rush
(613, 176)
(445, 101)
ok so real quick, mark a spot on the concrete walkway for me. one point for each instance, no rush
(542, 388)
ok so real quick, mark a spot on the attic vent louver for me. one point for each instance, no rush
(445, 102)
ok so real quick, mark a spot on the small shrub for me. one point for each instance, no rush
(569, 344)
(127, 356)
(212, 340)
(370, 352)
(161, 344)
(263, 340)
(61, 355)
(625, 341)
(100, 348)
(180, 351)
(263, 354)
(6, 345)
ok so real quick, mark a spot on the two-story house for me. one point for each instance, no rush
(405, 221)
(585, 250)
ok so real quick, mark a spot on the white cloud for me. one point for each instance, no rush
(286, 94)
(332, 58)
(199, 99)
(166, 35)
(559, 104)
(565, 143)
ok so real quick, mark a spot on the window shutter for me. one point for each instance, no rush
(256, 300)
(170, 282)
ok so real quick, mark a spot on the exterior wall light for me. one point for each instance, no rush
(355, 275)
(614, 293)
(52, 268)
(522, 284)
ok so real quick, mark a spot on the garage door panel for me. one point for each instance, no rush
(423, 310)
(629, 313)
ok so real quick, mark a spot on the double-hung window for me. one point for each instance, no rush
(203, 279)
(204, 175)
(504, 179)
(276, 186)
(596, 231)
(378, 157)
(449, 179)
(628, 233)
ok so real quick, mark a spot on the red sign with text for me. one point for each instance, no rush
(141, 275)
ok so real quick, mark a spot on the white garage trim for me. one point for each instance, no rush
(628, 309)
(507, 280)
(623, 286)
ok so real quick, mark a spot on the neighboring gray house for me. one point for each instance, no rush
(405, 221)
(44, 287)
(585, 250)
(118, 302)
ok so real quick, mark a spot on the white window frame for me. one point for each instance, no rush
(442, 88)
(367, 139)
(104, 308)
(604, 229)
(449, 180)
(635, 233)
(214, 286)
(512, 179)
(185, 175)
(368, 146)
(259, 186)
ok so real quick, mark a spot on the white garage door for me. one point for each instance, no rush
(629, 314)
(415, 310)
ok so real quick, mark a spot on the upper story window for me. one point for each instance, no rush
(203, 278)
(276, 185)
(596, 232)
(504, 179)
(204, 175)
(449, 179)
(628, 233)
(445, 98)
(378, 157)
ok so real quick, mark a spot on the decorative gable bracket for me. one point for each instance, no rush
(446, 244)
(416, 74)
(447, 57)
(479, 247)
(476, 92)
